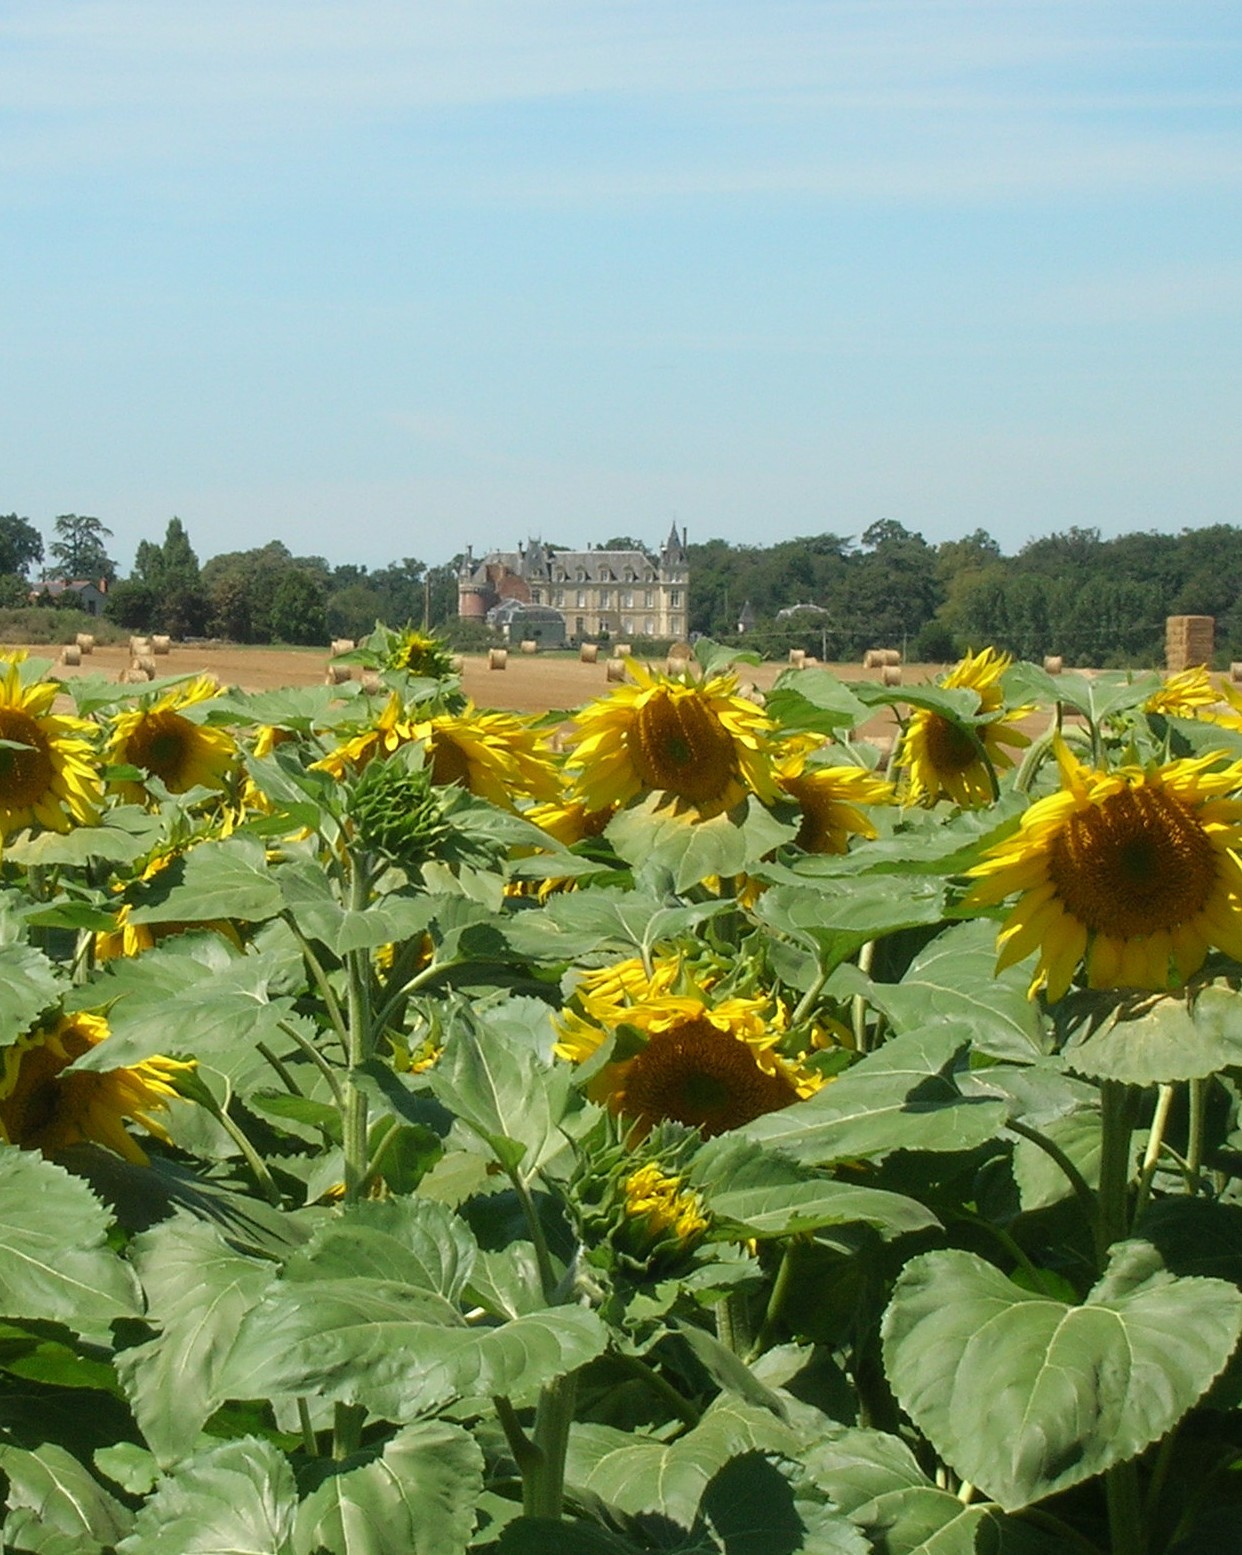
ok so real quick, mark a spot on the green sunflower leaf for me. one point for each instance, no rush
(398, 1350)
(55, 1506)
(238, 1497)
(905, 1096)
(1071, 1390)
(814, 700)
(651, 838)
(598, 922)
(417, 1498)
(320, 916)
(836, 917)
(54, 1261)
(28, 986)
(764, 1194)
(227, 879)
(1153, 1040)
(408, 1241)
(198, 1290)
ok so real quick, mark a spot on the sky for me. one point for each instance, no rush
(384, 278)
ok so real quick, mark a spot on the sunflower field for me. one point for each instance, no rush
(671, 1125)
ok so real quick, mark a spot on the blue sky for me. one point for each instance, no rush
(379, 278)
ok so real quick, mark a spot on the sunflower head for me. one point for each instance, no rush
(1187, 694)
(829, 798)
(1132, 873)
(48, 773)
(698, 743)
(397, 812)
(417, 653)
(684, 1056)
(43, 1107)
(637, 1214)
(944, 759)
(164, 741)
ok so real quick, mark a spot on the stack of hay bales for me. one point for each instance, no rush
(1188, 640)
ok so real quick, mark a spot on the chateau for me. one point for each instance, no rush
(553, 596)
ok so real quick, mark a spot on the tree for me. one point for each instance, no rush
(79, 549)
(297, 614)
(21, 545)
(170, 576)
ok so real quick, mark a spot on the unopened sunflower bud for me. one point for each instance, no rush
(397, 812)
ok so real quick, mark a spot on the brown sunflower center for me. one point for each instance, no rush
(26, 770)
(949, 748)
(161, 745)
(1134, 864)
(448, 762)
(679, 744)
(703, 1077)
(35, 1099)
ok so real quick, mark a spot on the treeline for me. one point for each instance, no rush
(263, 595)
(1098, 603)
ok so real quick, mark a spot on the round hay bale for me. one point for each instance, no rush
(372, 685)
(457, 663)
(749, 692)
(891, 674)
(161, 644)
(1235, 672)
(336, 675)
(86, 641)
(342, 645)
(144, 661)
(139, 645)
(680, 651)
(1053, 664)
(810, 662)
(497, 658)
(588, 653)
(615, 669)
(623, 650)
(890, 656)
(529, 645)
(71, 654)
(797, 658)
(873, 658)
(676, 666)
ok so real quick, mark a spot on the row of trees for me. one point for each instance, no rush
(1096, 602)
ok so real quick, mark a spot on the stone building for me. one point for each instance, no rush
(601, 594)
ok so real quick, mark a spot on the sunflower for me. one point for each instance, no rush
(699, 743)
(47, 765)
(829, 798)
(495, 755)
(942, 758)
(387, 733)
(44, 1108)
(417, 653)
(1134, 871)
(711, 1065)
(161, 741)
(660, 1207)
(569, 821)
(1187, 694)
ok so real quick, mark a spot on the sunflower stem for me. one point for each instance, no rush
(282, 1071)
(1125, 1509)
(681, 1406)
(859, 1003)
(309, 1445)
(1155, 1144)
(543, 1257)
(358, 969)
(543, 1491)
(766, 1336)
(320, 978)
(1082, 1188)
(1197, 1095)
(316, 1058)
(1118, 1107)
(733, 1326)
(347, 1430)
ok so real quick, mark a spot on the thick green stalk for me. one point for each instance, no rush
(358, 969)
(543, 1490)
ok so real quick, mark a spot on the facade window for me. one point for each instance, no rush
(646, 626)
(581, 574)
(648, 598)
(627, 600)
(560, 596)
(674, 625)
(627, 626)
(581, 598)
(674, 597)
(536, 597)
(605, 598)
(579, 625)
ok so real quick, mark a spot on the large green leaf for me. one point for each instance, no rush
(410, 1241)
(954, 979)
(198, 1290)
(762, 1193)
(1152, 1040)
(1040, 1180)
(638, 1473)
(502, 1089)
(814, 699)
(237, 1498)
(597, 923)
(904, 1096)
(875, 1480)
(1069, 1390)
(54, 1263)
(837, 916)
(50, 1492)
(224, 879)
(320, 916)
(28, 986)
(417, 1498)
(398, 1350)
(204, 1000)
(689, 851)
